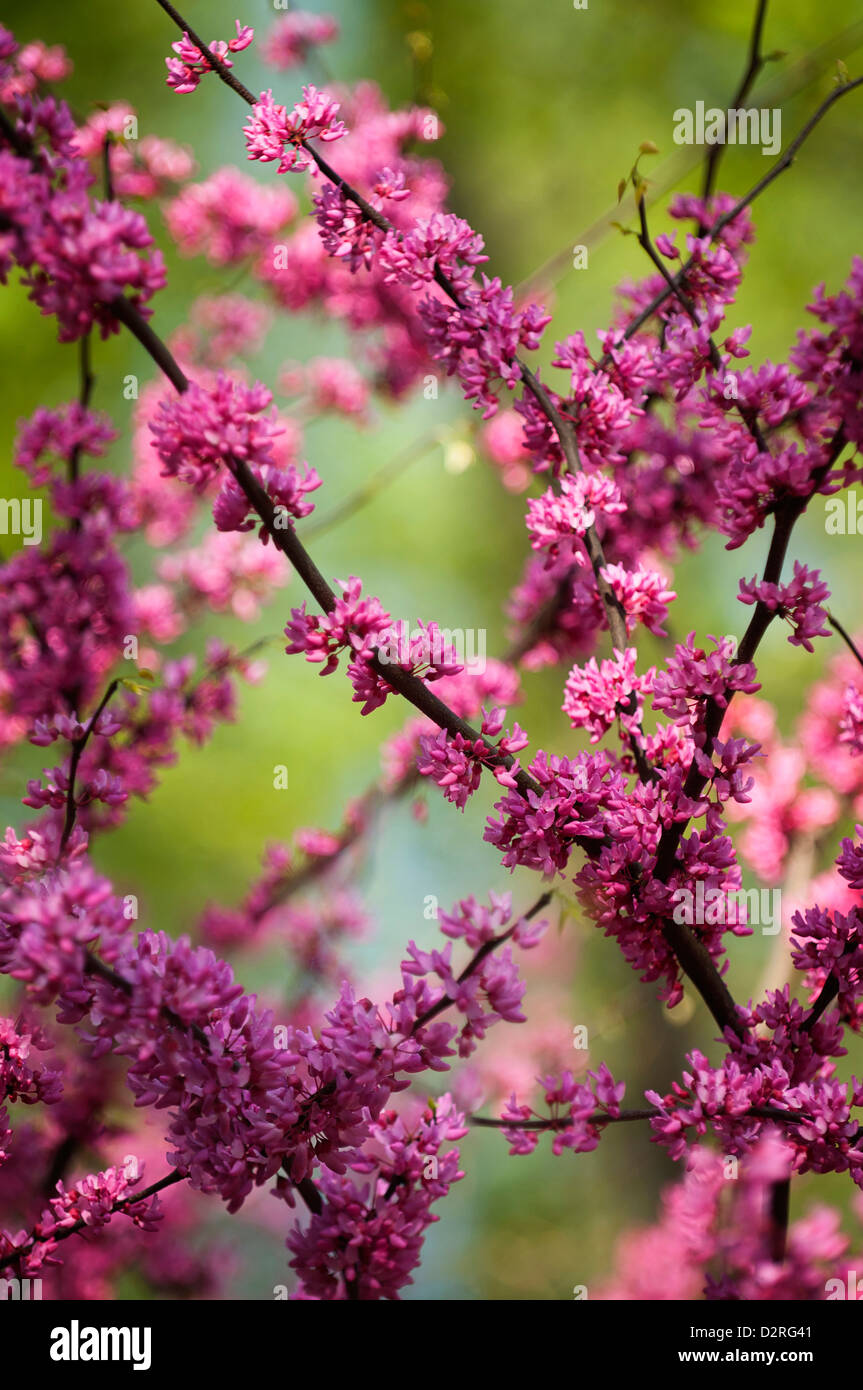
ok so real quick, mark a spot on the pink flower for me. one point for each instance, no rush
(851, 723)
(368, 1237)
(642, 594)
(221, 327)
(597, 696)
(559, 517)
(437, 244)
(196, 434)
(502, 438)
(226, 572)
(332, 383)
(286, 489)
(478, 339)
(692, 676)
(577, 1111)
(84, 256)
(355, 623)
(186, 70)
(65, 433)
(345, 232)
(272, 129)
(456, 762)
(799, 601)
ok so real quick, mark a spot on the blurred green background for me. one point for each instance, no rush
(544, 107)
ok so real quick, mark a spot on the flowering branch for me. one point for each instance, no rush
(784, 162)
(562, 427)
(58, 1233)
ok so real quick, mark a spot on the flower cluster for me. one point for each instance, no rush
(354, 622)
(455, 761)
(77, 255)
(578, 1112)
(692, 676)
(198, 433)
(800, 602)
(597, 696)
(274, 134)
(558, 517)
(228, 217)
(186, 70)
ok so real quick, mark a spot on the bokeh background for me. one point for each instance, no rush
(544, 107)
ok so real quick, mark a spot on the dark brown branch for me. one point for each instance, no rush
(77, 751)
(754, 63)
(758, 1112)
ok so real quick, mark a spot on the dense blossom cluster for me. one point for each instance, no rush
(272, 129)
(639, 447)
(367, 1240)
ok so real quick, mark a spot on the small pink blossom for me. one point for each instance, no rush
(186, 70)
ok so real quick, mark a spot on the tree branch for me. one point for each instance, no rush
(754, 63)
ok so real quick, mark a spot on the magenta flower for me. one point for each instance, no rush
(560, 517)
(195, 435)
(598, 696)
(274, 134)
(186, 70)
(800, 602)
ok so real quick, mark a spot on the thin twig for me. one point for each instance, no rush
(782, 163)
(63, 1232)
(566, 434)
(476, 961)
(846, 638)
(78, 747)
(754, 63)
